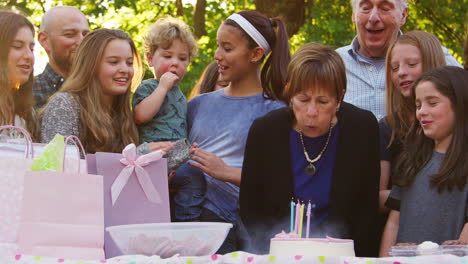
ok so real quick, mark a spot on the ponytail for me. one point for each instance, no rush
(274, 71)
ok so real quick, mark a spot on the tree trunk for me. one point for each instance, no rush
(199, 19)
(292, 12)
(180, 8)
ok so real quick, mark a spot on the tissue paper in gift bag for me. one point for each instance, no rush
(62, 214)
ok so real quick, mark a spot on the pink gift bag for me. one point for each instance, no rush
(12, 170)
(62, 214)
(17, 147)
(135, 189)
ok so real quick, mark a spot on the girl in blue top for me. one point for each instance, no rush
(252, 55)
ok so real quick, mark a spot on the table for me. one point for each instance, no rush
(239, 258)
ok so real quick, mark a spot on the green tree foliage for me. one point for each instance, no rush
(324, 21)
(328, 22)
(447, 19)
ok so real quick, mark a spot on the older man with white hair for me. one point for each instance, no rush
(378, 24)
(62, 30)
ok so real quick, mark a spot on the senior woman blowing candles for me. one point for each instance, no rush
(319, 149)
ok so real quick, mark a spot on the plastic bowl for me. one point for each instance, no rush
(168, 239)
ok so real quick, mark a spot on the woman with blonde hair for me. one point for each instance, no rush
(94, 102)
(16, 71)
(409, 57)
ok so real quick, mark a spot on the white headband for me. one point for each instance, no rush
(251, 31)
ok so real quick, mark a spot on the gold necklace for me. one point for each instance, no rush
(311, 169)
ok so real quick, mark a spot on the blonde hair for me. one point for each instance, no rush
(314, 64)
(103, 127)
(164, 31)
(400, 110)
(14, 101)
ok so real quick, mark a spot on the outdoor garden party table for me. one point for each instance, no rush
(238, 258)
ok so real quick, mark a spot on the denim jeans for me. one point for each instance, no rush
(191, 188)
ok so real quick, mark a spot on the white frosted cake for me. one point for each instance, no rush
(428, 248)
(291, 244)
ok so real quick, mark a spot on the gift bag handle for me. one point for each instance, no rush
(76, 141)
(27, 137)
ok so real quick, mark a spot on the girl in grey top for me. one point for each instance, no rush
(430, 201)
(94, 102)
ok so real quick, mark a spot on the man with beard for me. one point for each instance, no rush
(378, 24)
(61, 31)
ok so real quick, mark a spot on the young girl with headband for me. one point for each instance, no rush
(218, 122)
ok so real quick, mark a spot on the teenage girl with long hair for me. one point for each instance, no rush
(94, 102)
(16, 71)
(252, 55)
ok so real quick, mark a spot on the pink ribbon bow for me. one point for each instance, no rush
(134, 163)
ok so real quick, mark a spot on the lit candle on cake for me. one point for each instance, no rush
(301, 220)
(308, 219)
(292, 215)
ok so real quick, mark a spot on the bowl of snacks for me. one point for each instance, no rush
(169, 239)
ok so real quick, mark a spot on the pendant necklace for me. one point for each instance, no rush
(311, 169)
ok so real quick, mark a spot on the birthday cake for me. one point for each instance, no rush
(291, 244)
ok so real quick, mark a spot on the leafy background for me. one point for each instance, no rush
(324, 21)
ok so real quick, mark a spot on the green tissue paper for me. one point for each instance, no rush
(52, 157)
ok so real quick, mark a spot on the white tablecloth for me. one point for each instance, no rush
(239, 258)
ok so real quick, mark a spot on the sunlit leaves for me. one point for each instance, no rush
(327, 21)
